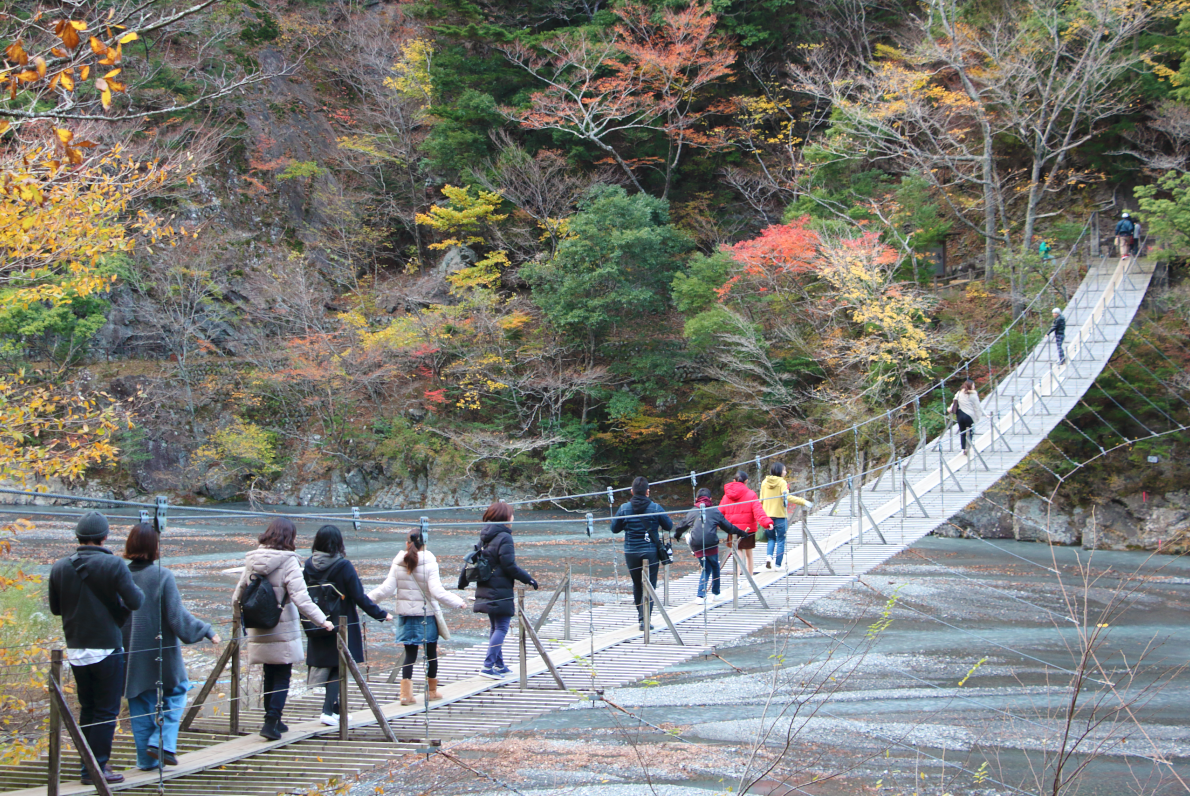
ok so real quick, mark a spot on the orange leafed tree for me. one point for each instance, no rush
(650, 72)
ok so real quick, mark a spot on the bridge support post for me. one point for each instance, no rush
(807, 537)
(664, 613)
(54, 761)
(863, 510)
(906, 490)
(522, 648)
(527, 629)
(563, 591)
(344, 654)
(739, 562)
(230, 654)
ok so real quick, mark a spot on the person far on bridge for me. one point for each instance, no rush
(775, 499)
(1125, 234)
(639, 520)
(1058, 330)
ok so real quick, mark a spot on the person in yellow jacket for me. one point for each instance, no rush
(775, 498)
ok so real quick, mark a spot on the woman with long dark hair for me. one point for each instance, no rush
(328, 568)
(414, 579)
(494, 596)
(158, 629)
(278, 648)
(967, 411)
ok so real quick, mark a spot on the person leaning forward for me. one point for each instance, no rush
(93, 591)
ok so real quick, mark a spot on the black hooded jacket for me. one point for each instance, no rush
(86, 605)
(495, 596)
(640, 533)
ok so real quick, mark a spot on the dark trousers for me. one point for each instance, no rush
(636, 566)
(710, 573)
(99, 688)
(1060, 341)
(411, 658)
(497, 630)
(965, 423)
(276, 688)
(330, 697)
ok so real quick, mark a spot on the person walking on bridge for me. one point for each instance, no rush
(494, 596)
(1058, 330)
(638, 520)
(967, 412)
(1125, 232)
(94, 592)
(278, 648)
(154, 636)
(775, 499)
(414, 578)
(741, 506)
(331, 578)
(704, 522)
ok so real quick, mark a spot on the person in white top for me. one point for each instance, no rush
(967, 411)
(414, 579)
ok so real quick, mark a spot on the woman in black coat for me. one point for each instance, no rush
(329, 568)
(494, 596)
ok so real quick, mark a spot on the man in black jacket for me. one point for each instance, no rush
(1058, 330)
(93, 592)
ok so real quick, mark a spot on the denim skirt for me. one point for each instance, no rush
(417, 630)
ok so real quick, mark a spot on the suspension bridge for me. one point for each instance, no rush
(567, 655)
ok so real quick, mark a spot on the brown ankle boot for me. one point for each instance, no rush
(406, 692)
(432, 689)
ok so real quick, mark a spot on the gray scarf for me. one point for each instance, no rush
(320, 560)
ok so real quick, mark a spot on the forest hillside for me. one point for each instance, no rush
(320, 252)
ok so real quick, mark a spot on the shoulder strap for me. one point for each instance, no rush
(104, 599)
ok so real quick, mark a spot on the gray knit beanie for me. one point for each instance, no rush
(92, 527)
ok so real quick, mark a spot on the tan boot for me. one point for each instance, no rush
(432, 689)
(406, 692)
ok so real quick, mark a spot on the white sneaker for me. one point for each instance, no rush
(330, 719)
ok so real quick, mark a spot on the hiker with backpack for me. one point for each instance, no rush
(493, 568)
(704, 522)
(335, 588)
(271, 592)
(94, 593)
(639, 520)
(1125, 232)
(415, 580)
(154, 636)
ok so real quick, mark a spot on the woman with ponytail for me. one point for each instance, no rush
(414, 579)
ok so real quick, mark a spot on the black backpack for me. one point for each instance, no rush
(478, 566)
(258, 604)
(329, 600)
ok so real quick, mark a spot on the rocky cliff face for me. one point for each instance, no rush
(1134, 522)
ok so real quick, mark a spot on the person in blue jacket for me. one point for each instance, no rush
(638, 520)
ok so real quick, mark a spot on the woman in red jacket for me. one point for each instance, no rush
(741, 507)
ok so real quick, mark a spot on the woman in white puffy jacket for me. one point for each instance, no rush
(413, 576)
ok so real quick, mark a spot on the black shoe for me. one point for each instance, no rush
(171, 759)
(108, 776)
(281, 727)
(271, 730)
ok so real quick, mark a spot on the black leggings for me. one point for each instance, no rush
(411, 658)
(965, 423)
(636, 566)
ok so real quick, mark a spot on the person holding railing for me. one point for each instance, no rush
(154, 636)
(331, 579)
(1058, 330)
(638, 520)
(494, 596)
(278, 648)
(775, 498)
(414, 579)
(741, 506)
(704, 522)
(967, 412)
(94, 593)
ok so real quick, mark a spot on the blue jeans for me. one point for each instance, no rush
(776, 536)
(142, 710)
(499, 629)
(710, 571)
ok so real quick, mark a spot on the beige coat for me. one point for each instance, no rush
(410, 601)
(283, 569)
(968, 403)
